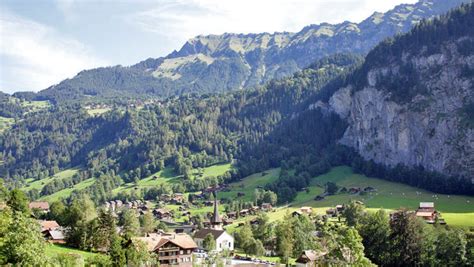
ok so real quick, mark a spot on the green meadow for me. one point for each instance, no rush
(456, 210)
(53, 250)
(167, 176)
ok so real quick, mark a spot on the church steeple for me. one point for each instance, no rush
(216, 221)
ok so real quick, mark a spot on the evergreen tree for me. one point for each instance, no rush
(209, 243)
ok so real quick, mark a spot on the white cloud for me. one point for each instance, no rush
(35, 56)
(187, 18)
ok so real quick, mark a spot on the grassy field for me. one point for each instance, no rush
(456, 210)
(38, 184)
(36, 105)
(167, 176)
(54, 250)
(67, 192)
(249, 184)
(98, 111)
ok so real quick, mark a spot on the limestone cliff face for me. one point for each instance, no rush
(427, 130)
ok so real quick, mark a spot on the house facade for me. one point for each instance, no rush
(224, 241)
(171, 249)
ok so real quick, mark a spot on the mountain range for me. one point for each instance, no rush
(219, 63)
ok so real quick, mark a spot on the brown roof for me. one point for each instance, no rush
(48, 225)
(156, 241)
(149, 241)
(181, 240)
(42, 205)
(204, 232)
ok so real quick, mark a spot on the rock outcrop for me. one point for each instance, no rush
(427, 130)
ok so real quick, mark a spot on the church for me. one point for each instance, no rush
(224, 241)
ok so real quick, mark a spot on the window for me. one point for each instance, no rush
(181, 252)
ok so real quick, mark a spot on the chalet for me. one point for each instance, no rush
(48, 225)
(427, 212)
(165, 197)
(254, 209)
(177, 199)
(309, 258)
(339, 208)
(267, 207)
(306, 210)
(171, 249)
(40, 205)
(354, 190)
(54, 236)
(162, 214)
(244, 212)
(331, 212)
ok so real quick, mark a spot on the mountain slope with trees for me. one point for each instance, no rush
(295, 123)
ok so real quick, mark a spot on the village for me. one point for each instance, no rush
(184, 241)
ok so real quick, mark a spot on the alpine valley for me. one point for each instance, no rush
(377, 114)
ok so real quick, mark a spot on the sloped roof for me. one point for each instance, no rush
(48, 225)
(56, 234)
(149, 241)
(181, 240)
(426, 205)
(154, 242)
(43, 205)
(424, 213)
(204, 232)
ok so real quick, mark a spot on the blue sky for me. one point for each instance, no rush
(45, 41)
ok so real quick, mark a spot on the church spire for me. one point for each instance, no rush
(216, 221)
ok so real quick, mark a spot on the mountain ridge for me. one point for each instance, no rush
(219, 63)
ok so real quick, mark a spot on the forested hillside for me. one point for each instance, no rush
(304, 124)
(219, 63)
(183, 133)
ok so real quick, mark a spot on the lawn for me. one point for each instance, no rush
(39, 184)
(167, 176)
(65, 193)
(249, 184)
(53, 250)
(389, 195)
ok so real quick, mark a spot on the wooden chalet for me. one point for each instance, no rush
(171, 249)
(40, 205)
(267, 207)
